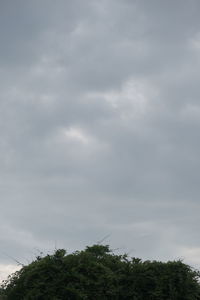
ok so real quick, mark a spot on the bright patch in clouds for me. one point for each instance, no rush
(6, 270)
(77, 134)
(191, 255)
(131, 101)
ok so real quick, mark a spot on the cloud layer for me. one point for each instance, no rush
(99, 127)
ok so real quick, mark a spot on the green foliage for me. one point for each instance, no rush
(97, 273)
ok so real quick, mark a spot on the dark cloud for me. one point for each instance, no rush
(99, 126)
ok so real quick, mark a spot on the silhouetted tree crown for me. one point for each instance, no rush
(97, 273)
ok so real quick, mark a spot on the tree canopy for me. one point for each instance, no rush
(98, 273)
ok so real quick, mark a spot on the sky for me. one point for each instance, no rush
(99, 128)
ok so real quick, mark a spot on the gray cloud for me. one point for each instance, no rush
(99, 126)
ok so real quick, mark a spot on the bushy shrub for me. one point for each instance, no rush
(97, 273)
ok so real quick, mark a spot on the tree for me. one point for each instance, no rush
(97, 273)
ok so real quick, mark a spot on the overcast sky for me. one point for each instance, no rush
(100, 127)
